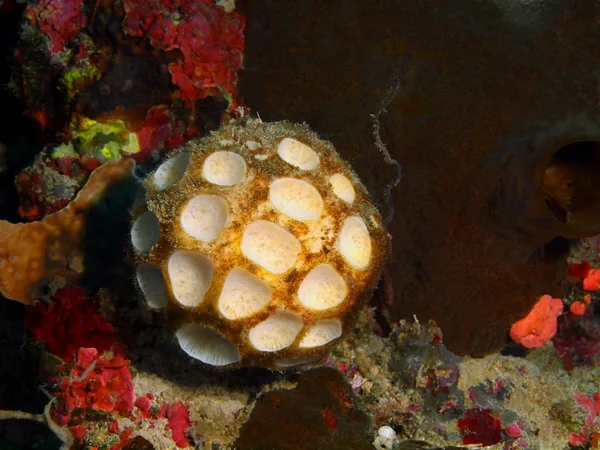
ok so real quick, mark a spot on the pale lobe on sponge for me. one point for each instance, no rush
(355, 242)
(296, 198)
(298, 154)
(266, 246)
(152, 284)
(243, 294)
(191, 275)
(145, 232)
(171, 171)
(270, 246)
(224, 168)
(321, 333)
(205, 216)
(323, 288)
(342, 187)
(207, 345)
(277, 332)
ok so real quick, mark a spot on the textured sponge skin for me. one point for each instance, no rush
(270, 276)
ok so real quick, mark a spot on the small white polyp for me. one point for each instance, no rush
(207, 345)
(171, 171)
(277, 332)
(152, 284)
(298, 154)
(243, 294)
(322, 288)
(342, 187)
(205, 216)
(296, 198)
(224, 168)
(321, 333)
(355, 242)
(270, 246)
(145, 232)
(191, 275)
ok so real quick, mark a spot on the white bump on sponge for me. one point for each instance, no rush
(355, 242)
(298, 154)
(224, 168)
(207, 345)
(171, 171)
(322, 288)
(342, 187)
(145, 232)
(270, 246)
(296, 198)
(152, 284)
(191, 275)
(204, 216)
(243, 294)
(277, 332)
(321, 333)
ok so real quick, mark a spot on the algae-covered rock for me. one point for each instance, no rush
(320, 413)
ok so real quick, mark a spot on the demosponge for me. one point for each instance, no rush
(259, 243)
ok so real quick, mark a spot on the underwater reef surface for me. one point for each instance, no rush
(473, 99)
(474, 124)
(103, 81)
(118, 379)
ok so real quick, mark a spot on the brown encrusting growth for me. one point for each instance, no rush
(479, 88)
(32, 254)
(320, 413)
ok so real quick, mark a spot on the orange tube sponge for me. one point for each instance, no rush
(31, 254)
(540, 323)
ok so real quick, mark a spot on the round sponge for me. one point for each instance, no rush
(259, 244)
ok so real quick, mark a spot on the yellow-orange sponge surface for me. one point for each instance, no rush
(259, 243)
